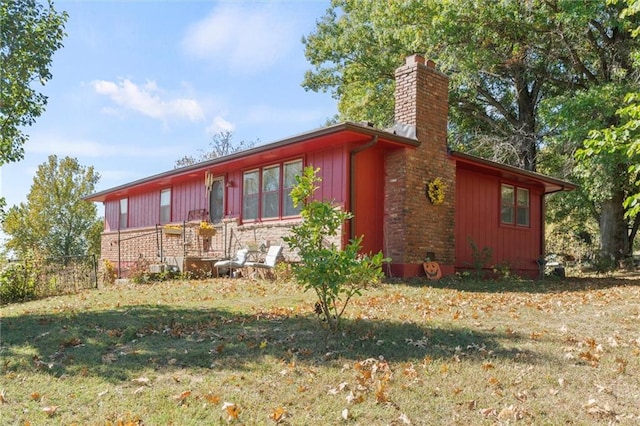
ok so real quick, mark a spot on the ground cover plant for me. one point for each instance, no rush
(254, 352)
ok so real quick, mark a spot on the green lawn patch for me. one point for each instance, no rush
(254, 352)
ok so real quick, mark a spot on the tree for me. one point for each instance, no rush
(617, 147)
(55, 221)
(335, 275)
(221, 144)
(31, 33)
(516, 69)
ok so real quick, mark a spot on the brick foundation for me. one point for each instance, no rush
(187, 249)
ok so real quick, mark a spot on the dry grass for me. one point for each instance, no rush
(218, 351)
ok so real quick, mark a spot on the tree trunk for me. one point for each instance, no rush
(614, 240)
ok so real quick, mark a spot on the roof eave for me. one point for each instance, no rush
(317, 133)
(550, 183)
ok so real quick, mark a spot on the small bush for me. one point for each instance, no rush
(335, 275)
(108, 273)
(16, 284)
(481, 257)
(139, 272)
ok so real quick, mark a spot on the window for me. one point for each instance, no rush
(124, 207)
(270, 191)
(291, 170)
(522, 209)
(165, 205)
(216, 201)
(267, 191)
(506, 210)
(250, 195)
(514, 205)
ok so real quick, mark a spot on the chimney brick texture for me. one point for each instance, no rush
(415, 226)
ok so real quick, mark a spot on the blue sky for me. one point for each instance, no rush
(140, 84)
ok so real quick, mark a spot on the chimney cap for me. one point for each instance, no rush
(419, 59)
(414, 59)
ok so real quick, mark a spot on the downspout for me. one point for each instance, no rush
(352, 181)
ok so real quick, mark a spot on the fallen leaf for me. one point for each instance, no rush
(214, 399)
(507, 413)
(142, 381)
(3, 398)
(354, 399)
(184, 395)
(488, 412)
(404, 419)
(345, 414)
(50, 410)
(381, 396)
(278, 414)
(109, 358)
(232, 410)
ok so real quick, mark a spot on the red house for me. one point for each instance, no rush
(382, 176)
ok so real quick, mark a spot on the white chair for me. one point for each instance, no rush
(273, 254)
(232, 264)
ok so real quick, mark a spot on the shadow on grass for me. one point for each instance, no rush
(119, 344)
(548, 285)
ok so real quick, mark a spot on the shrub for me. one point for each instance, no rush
(16, 284)
(139, 272)
(481, 257)
(335, 275)
(109, 274)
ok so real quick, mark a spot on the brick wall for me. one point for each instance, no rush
(414, 226)
(149, 243)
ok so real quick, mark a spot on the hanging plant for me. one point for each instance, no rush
(435, 191)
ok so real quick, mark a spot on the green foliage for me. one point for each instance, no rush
(55, 221)
(30, 34)
(221, 144)
(528, 80)
(503, 59)
(617, 145)
(17, 284)
(335, 275)
(480, 257)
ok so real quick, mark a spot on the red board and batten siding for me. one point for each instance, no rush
(111, 214)
(332, 163)
(478, 220)
(368, 198)
(187, 196)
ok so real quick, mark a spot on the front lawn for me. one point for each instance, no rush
(254, 352)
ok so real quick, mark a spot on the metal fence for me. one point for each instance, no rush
(55, 276)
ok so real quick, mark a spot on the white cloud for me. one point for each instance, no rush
(218, 125)
(149, 100)
(248, 39)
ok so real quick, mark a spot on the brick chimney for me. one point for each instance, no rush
(414, 226)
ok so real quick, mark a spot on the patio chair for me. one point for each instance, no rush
(273, 254)
(232, 264)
